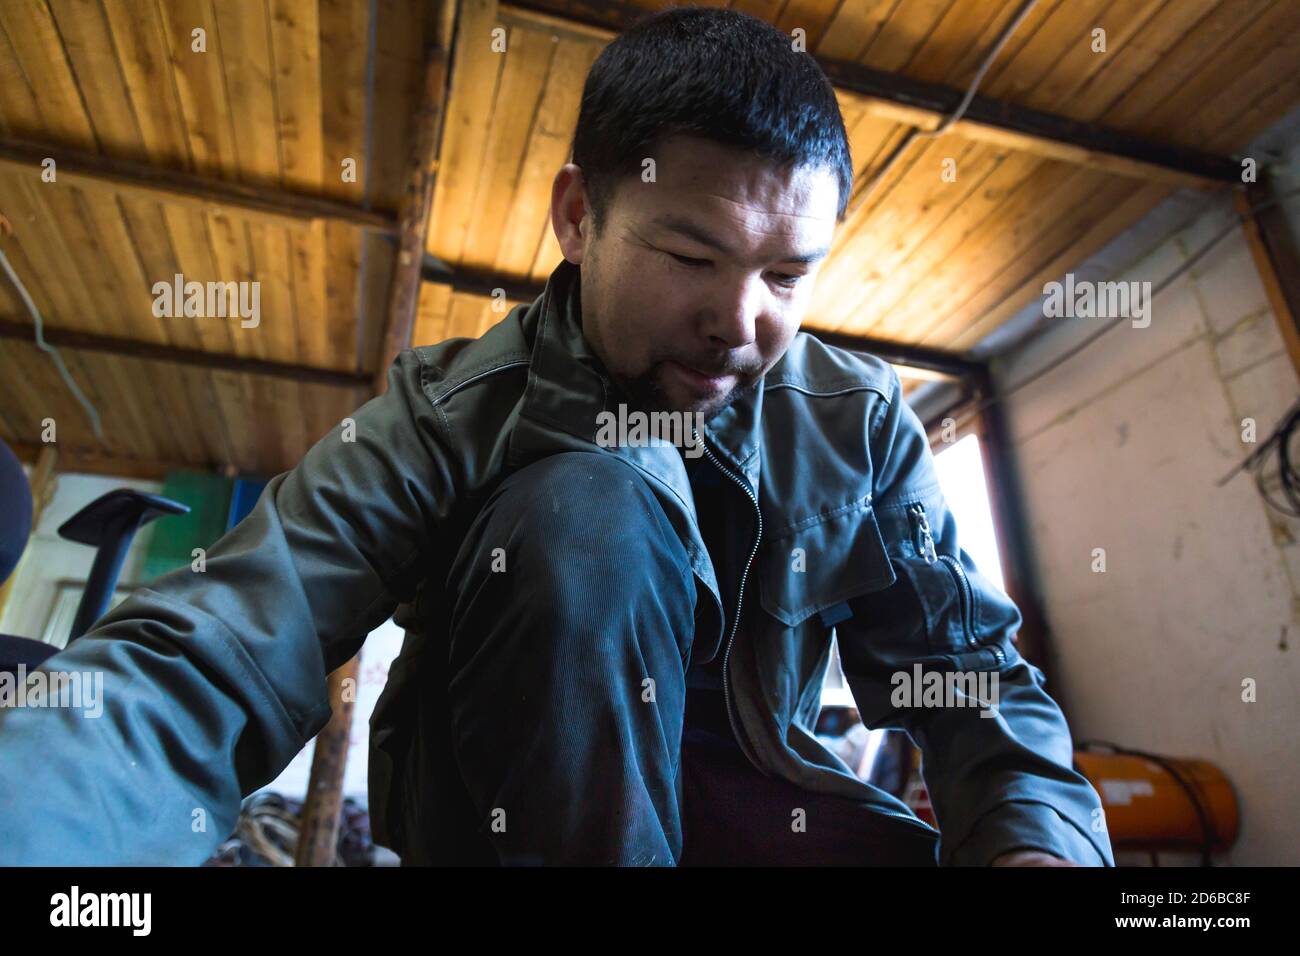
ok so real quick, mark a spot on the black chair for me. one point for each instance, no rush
(108, 524)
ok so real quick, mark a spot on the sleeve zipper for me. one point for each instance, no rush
(922, 540)
(925, 547)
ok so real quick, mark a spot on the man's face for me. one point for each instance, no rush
(697, 282)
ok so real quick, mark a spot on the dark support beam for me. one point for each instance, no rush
(474, 282)
(1048, 134)
(149, 351)
(404, 290)
(924, 105)
(1009, 520)
(1276, 260)
(85, 460)
(94, 170)
(900, 353)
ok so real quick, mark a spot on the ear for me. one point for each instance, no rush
(570, 213)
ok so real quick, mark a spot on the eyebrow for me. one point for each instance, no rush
(689, 229)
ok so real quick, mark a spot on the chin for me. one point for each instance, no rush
(676, 400)
(707, 408)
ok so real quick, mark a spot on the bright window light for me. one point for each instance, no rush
(961, 475)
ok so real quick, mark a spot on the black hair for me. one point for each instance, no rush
(710, 72)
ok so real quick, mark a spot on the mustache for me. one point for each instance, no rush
(716, 368)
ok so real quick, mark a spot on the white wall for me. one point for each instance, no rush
(1121, 448)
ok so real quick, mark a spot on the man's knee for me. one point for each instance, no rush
(581, 540)
(572, 578)
(577, 516)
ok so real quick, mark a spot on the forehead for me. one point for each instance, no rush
(734, 190)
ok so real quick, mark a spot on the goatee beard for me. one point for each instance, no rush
(645, 393)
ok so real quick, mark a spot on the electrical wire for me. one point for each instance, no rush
(1280, 442)
(50, 350)
(861, 195)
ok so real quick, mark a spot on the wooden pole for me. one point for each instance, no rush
(413, 223)
(318, 833)
(1277, 262)
(1005, 505)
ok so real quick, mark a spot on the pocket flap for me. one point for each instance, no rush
(812, 567)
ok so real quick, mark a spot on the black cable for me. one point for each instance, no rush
(1280, 442)
(1286, 471)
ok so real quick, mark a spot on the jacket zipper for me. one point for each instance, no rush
(968, 607)
(740, 600)
(959, 575)
(740, 603)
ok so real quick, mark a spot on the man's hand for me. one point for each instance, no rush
(1030, 858)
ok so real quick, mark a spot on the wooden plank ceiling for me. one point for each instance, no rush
(289, 89)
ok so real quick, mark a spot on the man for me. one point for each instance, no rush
(615, 648)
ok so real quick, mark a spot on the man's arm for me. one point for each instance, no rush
(999, 784)
(214, 680)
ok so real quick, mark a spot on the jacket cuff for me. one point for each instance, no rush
(1028, 825)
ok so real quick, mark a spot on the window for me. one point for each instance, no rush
(960, 468)
(961, 475)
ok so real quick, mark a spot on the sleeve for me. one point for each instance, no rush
(209, 682)
(997, 757)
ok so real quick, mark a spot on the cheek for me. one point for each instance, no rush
(630, 337)
(777, 335)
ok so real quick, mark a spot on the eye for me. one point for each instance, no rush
(786, 279)
(688, 261)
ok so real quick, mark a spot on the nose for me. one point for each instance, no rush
(731, 315)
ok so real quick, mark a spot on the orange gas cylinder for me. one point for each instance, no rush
(1161, 802)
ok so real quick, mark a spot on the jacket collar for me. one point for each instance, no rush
(568, 386)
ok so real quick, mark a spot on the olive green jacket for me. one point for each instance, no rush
(213, 681)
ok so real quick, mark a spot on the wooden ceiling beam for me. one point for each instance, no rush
(94, 461)
(922, 362)
(468, 281)
(924, 105)
(96, 171)
(195, 358)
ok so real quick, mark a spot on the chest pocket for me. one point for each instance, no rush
(816, 564)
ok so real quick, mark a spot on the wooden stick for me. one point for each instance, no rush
(1277, 262)
(318, 834)
(404, 290)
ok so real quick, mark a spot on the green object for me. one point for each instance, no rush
(176, 536)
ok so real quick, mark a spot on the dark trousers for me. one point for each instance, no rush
(572, 619)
